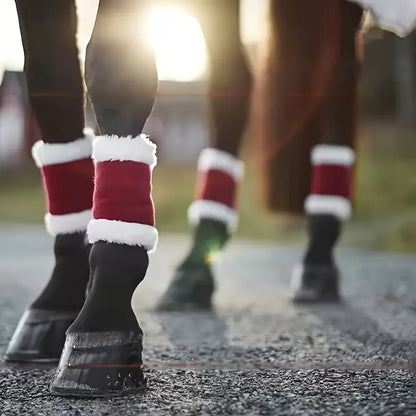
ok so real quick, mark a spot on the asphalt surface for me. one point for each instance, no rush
(256, 354)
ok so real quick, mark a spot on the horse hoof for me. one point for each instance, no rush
(315, 283)
(39, 336)
(100, 364)
(190, 289)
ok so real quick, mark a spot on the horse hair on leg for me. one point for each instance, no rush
(52, 70)
(103, 350)
(48, 31)
(120, 73)
(213, 214)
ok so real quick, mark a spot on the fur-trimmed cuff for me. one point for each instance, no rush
(327, 204)
(137, 149)
(219, 160)
(45, 154)
(68, 223)
(120, 232)
(212, 210)
(326, 154)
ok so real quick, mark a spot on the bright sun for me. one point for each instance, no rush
(179, 44)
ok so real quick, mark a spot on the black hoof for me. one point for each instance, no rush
(190, 289)
(315, 283)
(39, 336)
(100, 364)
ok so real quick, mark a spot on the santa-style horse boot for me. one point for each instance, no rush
(103, 349)
(67, 172)
(317, 278)
(214, 216)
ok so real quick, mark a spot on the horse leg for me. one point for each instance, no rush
(213, 213)
(106, 340)
(328, 204)
(56, 94)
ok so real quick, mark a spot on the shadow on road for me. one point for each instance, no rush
(190, 329)
(356, 324)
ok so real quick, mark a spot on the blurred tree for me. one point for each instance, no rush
(389, 78)
(405, 80)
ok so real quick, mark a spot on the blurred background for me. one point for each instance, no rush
(386, 182)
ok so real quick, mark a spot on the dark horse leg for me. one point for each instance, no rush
(305, 106)
(56, 93)
(213, 213)
(328, 203)
(103, 351)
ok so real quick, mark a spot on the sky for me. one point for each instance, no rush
(182, 32)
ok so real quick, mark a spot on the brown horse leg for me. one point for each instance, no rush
(56, 93)
(328, 204)
(213, 212)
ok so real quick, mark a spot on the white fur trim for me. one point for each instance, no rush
(212, 210)
(45, 154)
(121, 232)
(67, 224)
(328, 204)
(137, 149)
(217, 159)
(326, 154)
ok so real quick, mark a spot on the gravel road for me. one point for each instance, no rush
(257, 354)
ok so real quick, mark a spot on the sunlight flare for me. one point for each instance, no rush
(179, 44)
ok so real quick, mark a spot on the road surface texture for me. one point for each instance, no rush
(256, 354)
